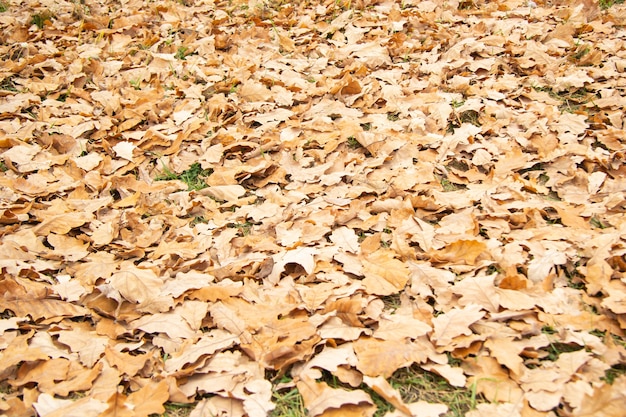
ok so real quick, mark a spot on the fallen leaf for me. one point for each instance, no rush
(319, 397)
(455, 323)
(464, 251)
(124, 150)
(382, 357)
(384, 275)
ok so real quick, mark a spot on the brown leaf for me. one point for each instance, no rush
(149, 399)
(383, 388)
(61, 223)
(78, 379)
(479, 290)
(606, 400)
(135, 284)
(455, 323)
(464, 252)
(125, 362)
(117, 406)
(384, 275)
(49, 406)
(18, 351)
(492, 381)
(384, 357)
(319, 399)
(192, 351)
(46, 308)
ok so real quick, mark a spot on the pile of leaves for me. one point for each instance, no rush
(208, 202)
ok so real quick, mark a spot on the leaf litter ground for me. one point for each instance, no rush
(206, 203)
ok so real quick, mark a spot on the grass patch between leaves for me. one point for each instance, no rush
(40, 19)
(193, 176)
(413, 384)
(416, 384)
(605, 4)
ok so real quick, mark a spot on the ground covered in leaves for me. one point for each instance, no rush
(218, 203)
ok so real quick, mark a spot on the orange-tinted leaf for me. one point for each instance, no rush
(149, 399)
(464, 252)
(18, 351)
(118, 406)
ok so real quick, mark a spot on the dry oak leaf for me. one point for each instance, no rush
(546, 386)
(303, 256)
(496, 410)
(421, 409)
(491, 380)
(12, 405)
(319, 398)
(330, 359)
(460, 252)
(117, 406)
(455, 323)
(258, 397)
(384, 274)
(125, 362)
(62, 223)
(254, 92)
(124, 150)
(77, 379)
(48, 406)
(345, 239)
(606, 400)
(218, 406)
(170, 323)
(136, 285)
(226, 318)
(89, 346)
(44, 373)
(400, 326)
(42, 308)
(543, 262)
(149, 399)
(336, 328)
(478, 290)
(205, 346)
(507, 353)
(616, 301)
(383, 388)
(453, 375)
(383, 357)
